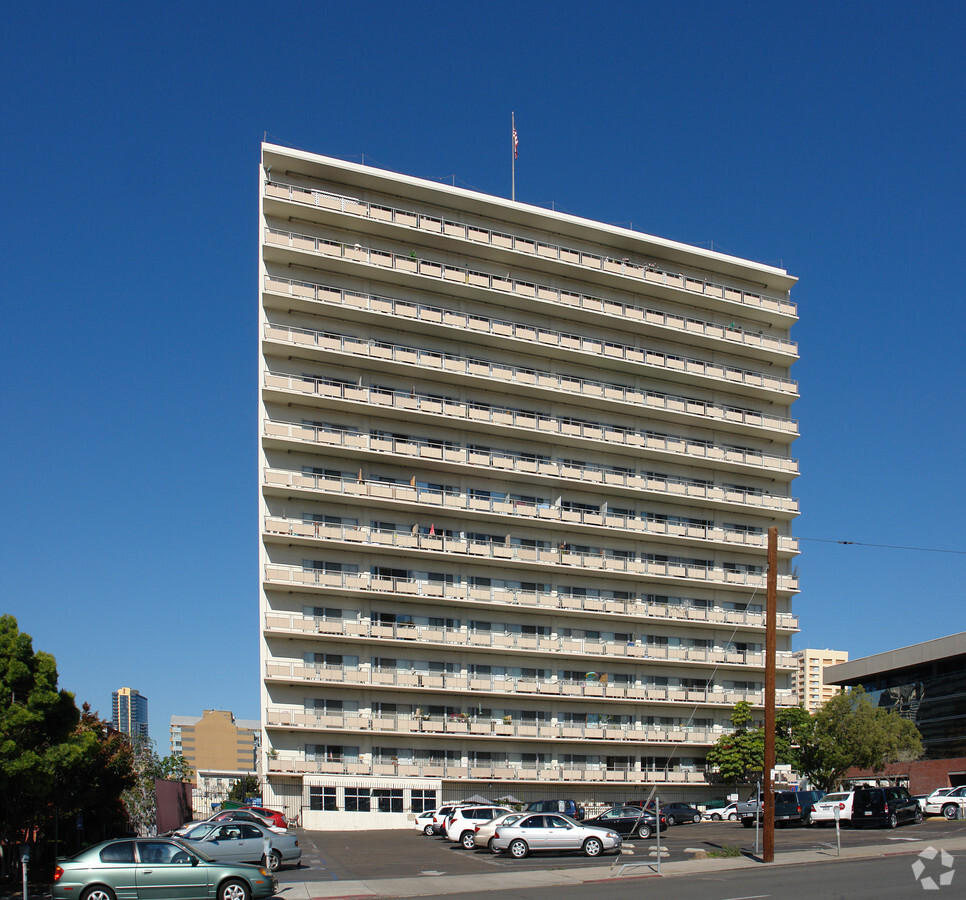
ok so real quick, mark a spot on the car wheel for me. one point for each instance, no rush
(715, 817)
(696, 818)
(466, 840)
(233, 890)
(98, 892)
(518, 849)
(644, 831)
(747, 822)
(670, 820)
(733, 817)
(428, 830)
(593, 847)
(274, 861)
(490, 847)
(808, 819)
(893, 821)
(917, 818)
(949, 811)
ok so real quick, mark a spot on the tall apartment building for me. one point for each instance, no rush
(808, 680)
(129, 712)
(516, 474)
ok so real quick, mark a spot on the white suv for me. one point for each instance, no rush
(462, 822)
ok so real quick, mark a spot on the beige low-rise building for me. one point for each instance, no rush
(216, 741)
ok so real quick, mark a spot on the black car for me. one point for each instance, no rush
(628, 821)
(884, 806)
(672, 813)
(791, 807)
(567, 807)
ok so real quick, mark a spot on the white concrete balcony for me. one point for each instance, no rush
(718, 375)
(674, 449)
(297, 578)
(463, 772)
(531, 645)
(664, 406)
(599, 561)
(425, 501)
(283, 671)
(727, 338)
(471, 727)
(638, 270)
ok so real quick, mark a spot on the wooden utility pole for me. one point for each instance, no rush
(771, 616)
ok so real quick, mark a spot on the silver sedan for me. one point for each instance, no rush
(552, 832)
(244, 842)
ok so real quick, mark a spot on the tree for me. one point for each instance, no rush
(243, 788)
(739, 757)
(37, 722)
(849, 732)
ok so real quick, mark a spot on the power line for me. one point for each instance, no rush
(884, 546)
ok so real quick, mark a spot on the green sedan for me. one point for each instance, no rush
(155, 869)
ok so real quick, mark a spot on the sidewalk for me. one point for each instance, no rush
(634, 867)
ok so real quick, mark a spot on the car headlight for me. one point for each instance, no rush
(613, 834)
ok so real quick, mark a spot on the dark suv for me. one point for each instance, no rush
(790, 806)
(567, 807)
(884, 806)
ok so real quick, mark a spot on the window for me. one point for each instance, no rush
(322, 799)
(358, 799)
(122, 851)
(387, 800)
(423, 800)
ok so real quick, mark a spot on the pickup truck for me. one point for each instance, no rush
(790, 806)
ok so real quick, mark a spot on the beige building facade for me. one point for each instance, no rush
(516, 471)
(808, 679)
(216, 741)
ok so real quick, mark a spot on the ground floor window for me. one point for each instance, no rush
(322, 798)
(388, 800)
(423, 800)
(357, 799)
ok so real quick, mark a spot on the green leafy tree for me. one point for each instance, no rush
(37, 722)
(849, 731)
(243, 788)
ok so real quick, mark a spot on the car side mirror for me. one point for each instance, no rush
(195, 860)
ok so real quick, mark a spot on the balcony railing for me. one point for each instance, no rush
(638, 732)
(464, 772)
(599, 559)
(638, 269)
(540, 601)
(544, 337)
(679, 448)
(540, 513)
(298, 673)
(698, 412)
(526, 290)
(468, 638)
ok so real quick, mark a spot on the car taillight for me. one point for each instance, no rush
(841, 806)
(496, 834)
(476, 828)
(58, 872)
(798, 808)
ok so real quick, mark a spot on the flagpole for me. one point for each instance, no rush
(514, 144)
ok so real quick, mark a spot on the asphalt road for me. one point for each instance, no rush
(351, 855)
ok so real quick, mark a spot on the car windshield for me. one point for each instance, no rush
(835, 797)
(198, 832)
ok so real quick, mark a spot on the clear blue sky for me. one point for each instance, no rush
(825, 137)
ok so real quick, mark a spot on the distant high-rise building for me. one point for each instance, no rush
(808, 683)
(130, 712)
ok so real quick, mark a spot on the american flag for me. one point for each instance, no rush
(516, 143)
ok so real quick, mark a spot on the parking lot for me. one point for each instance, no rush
(350, 855)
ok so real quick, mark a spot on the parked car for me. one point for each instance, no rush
(484, 832)
(884, 806)
(462, 821)
(567, 807)
(673, 813)
(229, 815)
(947, 803)
(244, 842)
(538, 832)
(790, 807)
(729, 812)
(440, 816)
(143, 868)
(424, 821)
(628, 821)
(823, 812)
(273, 815)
